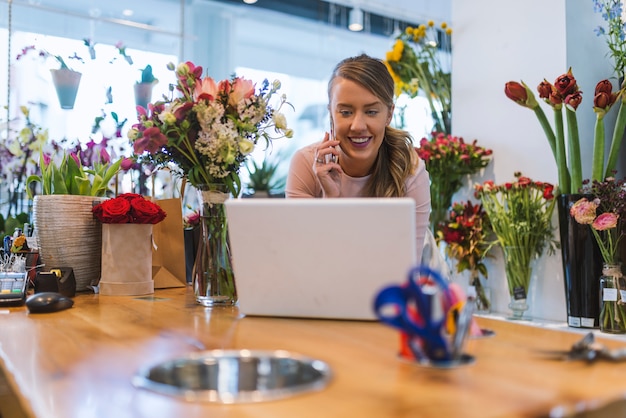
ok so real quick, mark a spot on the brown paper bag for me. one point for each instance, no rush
(126, 259)
(168, 252)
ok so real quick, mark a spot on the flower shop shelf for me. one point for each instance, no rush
(81, 362)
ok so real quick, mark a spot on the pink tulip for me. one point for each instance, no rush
(205, 89)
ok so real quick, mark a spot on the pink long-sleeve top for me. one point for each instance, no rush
(302, 182)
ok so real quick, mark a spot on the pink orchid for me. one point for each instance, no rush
(151, 141)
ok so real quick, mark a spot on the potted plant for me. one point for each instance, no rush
(66, 231)
(66, 80)
(264, 179)
(143, 88)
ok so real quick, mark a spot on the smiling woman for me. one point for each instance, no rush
(362, 155)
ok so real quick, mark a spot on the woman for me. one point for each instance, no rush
(362, 156)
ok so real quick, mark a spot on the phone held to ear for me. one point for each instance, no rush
(331, 157)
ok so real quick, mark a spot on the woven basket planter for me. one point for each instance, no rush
(69, 236)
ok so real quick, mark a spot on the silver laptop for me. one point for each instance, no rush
(319, 258)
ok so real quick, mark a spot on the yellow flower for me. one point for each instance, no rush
(246, 146)
(415, 64)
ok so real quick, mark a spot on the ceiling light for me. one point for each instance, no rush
(249, 1)
(127, 12)
(356, 20)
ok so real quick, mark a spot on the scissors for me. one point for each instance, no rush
(409, 309)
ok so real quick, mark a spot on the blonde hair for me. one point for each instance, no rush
(397, 156)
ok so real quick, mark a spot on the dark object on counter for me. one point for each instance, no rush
(46, 302)
(589, 350)
(59, 280)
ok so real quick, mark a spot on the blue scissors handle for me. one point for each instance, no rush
(393, 307)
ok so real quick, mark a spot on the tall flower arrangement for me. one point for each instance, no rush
(208, 128)
(564, 94)
(419, 62)
(520, 213)
(449, 160)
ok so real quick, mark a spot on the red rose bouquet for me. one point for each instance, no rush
(128, 208)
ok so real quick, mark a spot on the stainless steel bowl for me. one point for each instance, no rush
(235, 376)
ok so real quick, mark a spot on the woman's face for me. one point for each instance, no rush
(359, 119)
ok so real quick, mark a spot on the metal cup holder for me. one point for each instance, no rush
(235, 376)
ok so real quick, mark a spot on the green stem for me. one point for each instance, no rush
(547, 129)
(598, 149)
(618, 134)
(576, 177)
(561, 159)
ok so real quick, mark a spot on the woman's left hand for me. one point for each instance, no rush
(327, 168)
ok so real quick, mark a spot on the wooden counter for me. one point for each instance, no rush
(79, 363)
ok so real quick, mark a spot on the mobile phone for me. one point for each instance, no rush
(331, 157)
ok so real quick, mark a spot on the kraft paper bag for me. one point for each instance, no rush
(168, 252)
(126, 260)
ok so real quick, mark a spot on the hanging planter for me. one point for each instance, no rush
(143, 88)
(66, 83)
(143, 94)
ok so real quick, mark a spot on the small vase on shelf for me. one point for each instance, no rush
(213, 276)
(482, 293)
(612, 299)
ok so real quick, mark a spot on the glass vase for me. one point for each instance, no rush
(213, 277)
(612, 299)
(480, 292)
(518, 269)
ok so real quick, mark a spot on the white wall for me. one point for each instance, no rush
(496, 41)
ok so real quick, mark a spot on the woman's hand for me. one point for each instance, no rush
(326, 167)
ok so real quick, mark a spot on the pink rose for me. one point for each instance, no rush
(584, 211)
(605, 221)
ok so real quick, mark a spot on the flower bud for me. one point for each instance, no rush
(604, 86)
(566, 84)
(515, 91)
(545, 89)
(521, 94)
(573, 100)
(601, 100)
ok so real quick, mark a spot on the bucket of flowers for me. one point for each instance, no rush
(127, 222)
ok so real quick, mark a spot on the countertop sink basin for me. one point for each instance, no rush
(235, 376)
